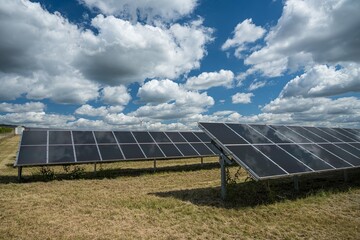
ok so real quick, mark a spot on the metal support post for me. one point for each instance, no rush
(95, 168)
(223, 177)
(19, 173)
(346, 176)
(202, 161)
(154, 165)
(296, 183)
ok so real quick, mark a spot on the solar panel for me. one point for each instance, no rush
(58, 147)
(269, 151)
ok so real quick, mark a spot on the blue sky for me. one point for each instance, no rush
(158, 64)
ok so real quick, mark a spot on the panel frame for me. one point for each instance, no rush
(225, 151)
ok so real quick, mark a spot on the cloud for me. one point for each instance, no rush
(44, 56)
(37, 48)
(123, 53)
(208, 80)
(243, 98)
(256, 84)
(36, 119)
(116, 95)
(323, 80)
(88, 110)
(144, 9)
(245, 32)
(168, 100)
(159, 91)
(309, 32)
(20, 108)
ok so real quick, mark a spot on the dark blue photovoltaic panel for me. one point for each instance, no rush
(203, 136)
(350, 132)
(202, 149)
(104, 137)
(132, 151)
(248, 133)
(60, 137)
(83, 137)
(342, 154)
(342, 137)
(223, 133)
(32, 155)
(72, 147)
(110, 152)
(306, 157)
(61, 154)
(190, 137)
(176, 137)
(34, 138)
(87, 153)
(151, 151)
(186, 149)
(323, 134)
(125, 137)
(170, 150)
(306, 133)
(293, 136)
(159, 137)
(143, 137)
(281, 158)
(255, 161)
(270, 133)
(326, 156)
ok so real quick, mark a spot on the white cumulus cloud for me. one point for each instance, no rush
(144, 9)
(245, 32)
(243, 98)
(208, 80)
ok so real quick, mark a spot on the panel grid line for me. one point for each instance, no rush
(281, 148)
(257, 149)
(138, 144)
(96, 144)
(73, 145)
(174, 144)
(190, 143)
(117, 142)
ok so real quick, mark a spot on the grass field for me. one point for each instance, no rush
(181, 200)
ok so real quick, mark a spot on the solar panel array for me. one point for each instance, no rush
(268, 151)
(49, 147)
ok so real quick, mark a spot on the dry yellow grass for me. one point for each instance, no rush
(123, 203)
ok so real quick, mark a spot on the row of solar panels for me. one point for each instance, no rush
(69, 147)
(268, 151)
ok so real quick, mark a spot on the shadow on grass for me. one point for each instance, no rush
(251, 193)
(47, 174)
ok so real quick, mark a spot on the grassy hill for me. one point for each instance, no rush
(181, 200)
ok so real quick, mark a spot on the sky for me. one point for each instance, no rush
(167, 65)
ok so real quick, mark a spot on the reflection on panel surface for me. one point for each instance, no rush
(202, 149)
(190, 137)
(248, 133)
(159, 137)
(125, 137)
(60, 137)
(271, 134)
(223, 133)
(110, 152)
(170, 150)
(104, 137)
(151, 151)
(132, 151)
(257, 162)
(31, 155)
(175, 137)
(61, 154)
(293, 136)
(326, 156)
(143, 137)
(284, 160)
(87, 153)
(306, 157)
(83, 137)
(342, 154)
(186, 149)
(34, 138)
